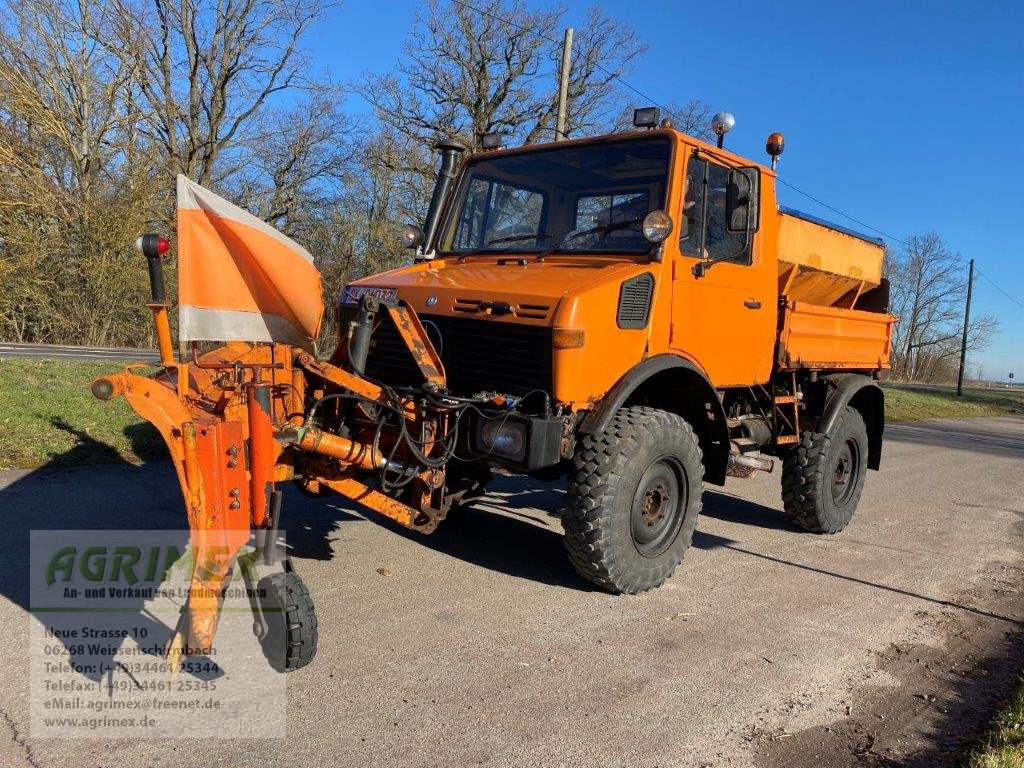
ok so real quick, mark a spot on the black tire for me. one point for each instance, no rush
(634, 497)
(822, 478)
(291, 637)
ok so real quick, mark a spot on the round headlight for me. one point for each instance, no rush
(657, 226)
(412, 236)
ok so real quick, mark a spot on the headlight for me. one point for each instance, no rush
(504, 438)
(412, 236)
(657, 226)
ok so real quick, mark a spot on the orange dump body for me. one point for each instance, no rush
(825, 272)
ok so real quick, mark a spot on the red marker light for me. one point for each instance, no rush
(152, 246)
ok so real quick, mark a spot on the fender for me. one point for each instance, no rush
(674, 384)
(862, 393)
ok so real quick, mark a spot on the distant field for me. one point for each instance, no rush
(49, 417)
(904, 402)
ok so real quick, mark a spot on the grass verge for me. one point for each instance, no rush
(905, 402)
(1003, 745)
(48, 417)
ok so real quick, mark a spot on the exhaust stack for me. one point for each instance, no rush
(451, 150)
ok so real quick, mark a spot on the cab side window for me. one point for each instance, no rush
(708, 192)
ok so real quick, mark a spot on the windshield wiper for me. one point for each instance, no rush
(518, 238)
(603, 228)
(506, 239)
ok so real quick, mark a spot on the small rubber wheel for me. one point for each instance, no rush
(634, 497)
(291, 637)
(822, 478)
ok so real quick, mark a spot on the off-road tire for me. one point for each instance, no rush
(813, 496)
(292, 634)
(603, 533)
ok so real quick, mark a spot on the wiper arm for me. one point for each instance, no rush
(518, 238)
(610, 227)
(506, 239)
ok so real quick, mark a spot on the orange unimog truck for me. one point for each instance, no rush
(633, 312)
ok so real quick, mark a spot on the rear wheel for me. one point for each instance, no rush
(634, 497)
(822, 478)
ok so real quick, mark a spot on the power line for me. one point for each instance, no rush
(991, 282)
(844, 215)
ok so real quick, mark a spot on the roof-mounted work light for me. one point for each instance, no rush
(721, 124)
(492, 141)
(646, 117)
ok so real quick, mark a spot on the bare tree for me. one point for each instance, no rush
(604, 50)
(205, 71)
(298, 167)
(66, 201)
(928, 290)
(467, 71)
(464, 73)
(101, 103)
(63, 88)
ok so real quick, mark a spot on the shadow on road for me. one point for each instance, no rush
(513, 531)
(116, 495)
(723, 506)
(992, 438)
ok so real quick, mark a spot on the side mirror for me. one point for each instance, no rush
(741, 197)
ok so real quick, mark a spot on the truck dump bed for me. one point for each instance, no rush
(824, 271)
(823, 263)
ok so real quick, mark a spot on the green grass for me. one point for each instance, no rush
(49, 417)
(908, 403)
(1003, 745)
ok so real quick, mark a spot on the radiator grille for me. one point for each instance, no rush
(478, 355)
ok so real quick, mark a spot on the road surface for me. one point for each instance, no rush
(11, 350)
(480, 646)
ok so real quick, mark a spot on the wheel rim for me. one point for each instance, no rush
(846, 473)
(658, 507)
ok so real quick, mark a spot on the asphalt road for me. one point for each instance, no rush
(11, 350)
(480, 646)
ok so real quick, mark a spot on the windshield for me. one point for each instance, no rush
(590, 198)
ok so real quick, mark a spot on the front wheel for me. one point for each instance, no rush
(634, 497)
(822, 478)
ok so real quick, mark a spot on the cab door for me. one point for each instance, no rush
(725, 282)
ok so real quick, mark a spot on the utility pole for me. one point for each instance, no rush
(563, 86)
(963, 341)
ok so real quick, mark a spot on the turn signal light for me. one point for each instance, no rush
(568, 338)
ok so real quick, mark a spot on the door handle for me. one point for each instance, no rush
(752, 304)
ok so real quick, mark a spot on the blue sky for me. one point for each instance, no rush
(906, 115)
